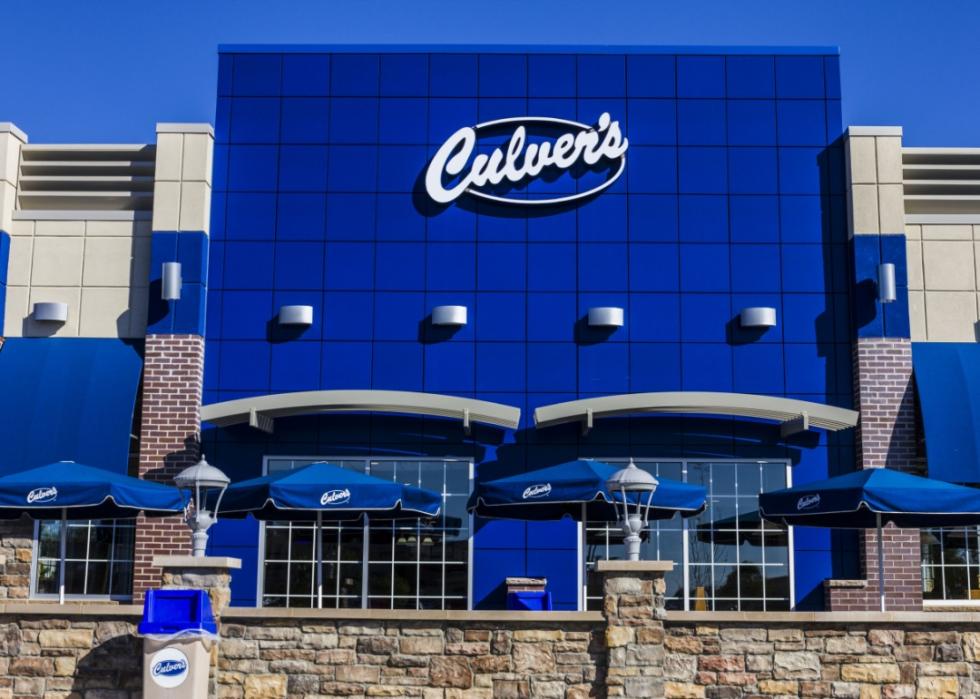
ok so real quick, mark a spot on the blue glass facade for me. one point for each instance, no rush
(732, 196)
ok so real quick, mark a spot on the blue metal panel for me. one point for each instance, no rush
(186, 315)
(68, 399)
(735, 215)
(872, 318)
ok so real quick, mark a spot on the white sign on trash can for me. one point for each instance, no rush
(169, 667)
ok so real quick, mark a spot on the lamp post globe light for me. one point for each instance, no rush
(198, 482)
(635, 514)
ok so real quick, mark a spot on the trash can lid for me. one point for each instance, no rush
(177, 611)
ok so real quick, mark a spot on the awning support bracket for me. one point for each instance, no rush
(467, 427)
(796, 425)
(588, 422)
(260, 421)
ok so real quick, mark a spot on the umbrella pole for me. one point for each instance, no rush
(319, 561)
(63, 546)
(881, 565)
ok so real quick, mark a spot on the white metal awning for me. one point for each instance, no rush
(261, 411)
(793, 415)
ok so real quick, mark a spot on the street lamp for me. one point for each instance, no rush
(201, 482)
(623, 483)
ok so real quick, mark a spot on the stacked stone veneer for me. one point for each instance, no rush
(16, 546)
(173, 375)
(96, 656)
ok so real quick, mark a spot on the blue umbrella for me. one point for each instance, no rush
(86, 493)
(576, 489)
(324, 491)
(872, 498)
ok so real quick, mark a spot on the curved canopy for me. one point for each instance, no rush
(794, 415)
(260, 411)
(84, 492)
(333, 492)
(563, 490)
(854, 501)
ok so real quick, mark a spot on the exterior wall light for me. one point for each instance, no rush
(757, 317)
(451, 316)
(296, 315)
(887, 287)
(632, 492)
(606, 317)
(51, 312)
(171, 281)
(201, 483)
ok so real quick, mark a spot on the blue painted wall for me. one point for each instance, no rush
(733, 196)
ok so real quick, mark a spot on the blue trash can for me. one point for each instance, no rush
(529, 601)
(178, 632)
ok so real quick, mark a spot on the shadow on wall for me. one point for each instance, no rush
(115, 663)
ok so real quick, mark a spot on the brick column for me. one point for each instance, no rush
(884, 396)
(633, 606)
(169, 442)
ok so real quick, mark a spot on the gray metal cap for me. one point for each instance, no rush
(632, 479)
(201, 474)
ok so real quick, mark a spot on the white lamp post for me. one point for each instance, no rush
(635, 515)
(198, 481)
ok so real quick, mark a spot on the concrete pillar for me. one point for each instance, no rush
(173, 373)
(882, 358)
(633, 606)
(209, 573)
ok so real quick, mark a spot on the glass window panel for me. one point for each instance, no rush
(433, 475)
(408, 472)
(750, 551)
(458, 478)
(276, 542)
(456, 583)
(47, 577)
(49, 534)
(750, 582)
(302, 542)
(777, 581)
(671, 470)
(430, 580)
(350, 580)
(98, 578)
(300, 578)
(430, 546)
(274, 601)
(773, 476)
(405, 603)
(275, 578)
(379, 579)
(404, 580)
(699, 474)
(122, 579)
(352, 543)
(722, 479)
(749, 478)
(74, 577)
(406, 545)
(125, 540)
(383, 469)
(932, 582)
(956, 582)
(77, 544)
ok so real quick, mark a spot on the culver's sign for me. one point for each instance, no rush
(169, 668)
(537, 491)
(336, 497)
(455, 171)
(39, 496)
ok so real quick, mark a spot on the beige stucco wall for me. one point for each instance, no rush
(944, 282)
(98, 267)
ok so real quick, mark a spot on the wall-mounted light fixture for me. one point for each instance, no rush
(606, 317)
(171, 281)
(757, 317)
(51, 312)
(449, 316)
(887, 288)
(296, 315)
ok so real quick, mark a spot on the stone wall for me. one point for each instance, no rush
(849, 661)
(16, 548)
(91, 652)
(433, 660)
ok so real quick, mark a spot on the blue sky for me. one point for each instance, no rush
(109, 70)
